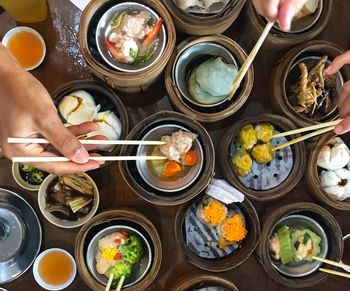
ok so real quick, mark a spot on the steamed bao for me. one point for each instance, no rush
(79, 107)
(335, 178)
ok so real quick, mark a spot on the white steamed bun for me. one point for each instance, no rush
(334, 155)
(336, 183)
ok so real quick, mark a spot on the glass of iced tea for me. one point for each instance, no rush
(54, 269)
(27, 11)
(26, 45)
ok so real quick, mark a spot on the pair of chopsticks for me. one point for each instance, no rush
(333, 264)
(322, 128)
(86, 142)
(120, 283)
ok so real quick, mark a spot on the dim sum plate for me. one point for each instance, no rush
(302, 268)
(139, 270)
(20, 236)
(171, 184)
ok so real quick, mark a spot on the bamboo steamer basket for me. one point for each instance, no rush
(127, 82)
(123, 216)
(102, 95)
(327, 222)
(226, 164)
(132, 177)
(196, 24)
(229, 261)
(201, 113)
(279, 40)
(312, 175)
(280, 101)
(202, 280)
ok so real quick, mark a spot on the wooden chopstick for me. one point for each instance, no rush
(120, 283)
(103, 158)
(243, 70)
(341, 265)
(301, 138)
(308, 128)
(108, 286)
(88, 141)
(334, 272)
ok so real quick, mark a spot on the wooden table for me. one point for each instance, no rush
(64, 63)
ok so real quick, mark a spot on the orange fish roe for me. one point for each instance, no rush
(234, 229)
(214, 212)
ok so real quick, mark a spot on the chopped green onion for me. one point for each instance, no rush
(306, 238)
(296, 245)
(117, 22)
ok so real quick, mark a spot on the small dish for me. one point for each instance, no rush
(187, 175)
(301, 268)
(346, 250)
(45, 285)
(193, 57)
(63, 222)
(18, 29)
(104, 27)
(139, 270)
(20, 236)
(16, 173)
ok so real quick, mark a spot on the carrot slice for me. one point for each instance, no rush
(190, 158)
(171, 168)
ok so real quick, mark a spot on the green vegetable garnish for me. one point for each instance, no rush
(37, 176)
(132, 53)
(306, 238)
(26, 168)
(297, 244)
(285, 245)
(120, 269)
(117, 22)
(142, 59)
(133, 251)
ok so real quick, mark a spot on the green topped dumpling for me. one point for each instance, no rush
(305, 244)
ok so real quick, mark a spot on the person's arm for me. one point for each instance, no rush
(27, 110)
(281, 11)
(344, 98)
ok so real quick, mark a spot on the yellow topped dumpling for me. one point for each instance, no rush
(264, 131)
(242, 162)
(263, 153)
(247, 137)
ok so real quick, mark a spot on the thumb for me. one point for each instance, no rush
(343, 127)
(65, 142)
(287, 11)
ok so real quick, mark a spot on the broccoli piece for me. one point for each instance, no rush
(120, 269)
(133, 250)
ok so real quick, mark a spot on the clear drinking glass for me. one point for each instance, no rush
(27, 11)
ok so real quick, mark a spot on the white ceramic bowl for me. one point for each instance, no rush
(60, 222)
(346, 269)
(17, 29)
(41, 282)
(20, 181)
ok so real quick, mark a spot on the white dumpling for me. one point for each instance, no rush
(219, 4)
(200, 95)
(215, 77)
(110, 127)
(184, 4)
(334, 155)
(336, 183)
(78, 107)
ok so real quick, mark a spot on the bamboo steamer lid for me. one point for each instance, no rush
(278, 40)
(133, 178)
(291, 177)
(312, 175)
(202, 280)
(280, 101)
(196, 24)
(326, 221)
(221, 112)
(129, 82)
(123, 216)
(225, 261)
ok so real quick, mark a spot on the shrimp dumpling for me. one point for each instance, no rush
(334, 155)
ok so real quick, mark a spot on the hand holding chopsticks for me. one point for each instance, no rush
(333, 264)
(243, 70)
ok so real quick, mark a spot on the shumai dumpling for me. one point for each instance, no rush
(263, 153)
(242, 162)
(264, 131)
(247, 137)
(334, 155)
(215, 77)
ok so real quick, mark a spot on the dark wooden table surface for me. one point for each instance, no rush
(64, 63)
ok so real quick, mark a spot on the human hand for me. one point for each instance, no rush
(27, 111)
(281, 11)
(344, 98)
